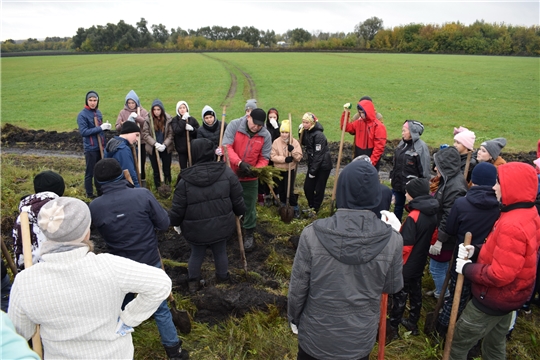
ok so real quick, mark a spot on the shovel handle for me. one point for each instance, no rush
(222, 128)
(382, 327)
(9, 260)
(336, 177)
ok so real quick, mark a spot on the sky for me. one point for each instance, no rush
(42, 18)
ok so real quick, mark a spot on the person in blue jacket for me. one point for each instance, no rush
(91, 128)
(120, 148)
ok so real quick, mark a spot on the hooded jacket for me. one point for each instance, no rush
(165, 138)
(274, 132)
(120, 149)
(90, 132)
(342, 266)
(369, 133)
(211, 132)
(123, 116)
(411, 158)
(318, 153)
(504, 274)
(207, 198)
(179, 129)
(280, 152)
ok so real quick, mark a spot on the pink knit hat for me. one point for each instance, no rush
(466, 138)
(460, 129)
(537, 162)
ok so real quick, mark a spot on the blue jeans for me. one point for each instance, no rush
(438, 273)
(6, 288)
(164, 322)
(399, 204)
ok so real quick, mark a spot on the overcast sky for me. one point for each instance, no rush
(39, 19)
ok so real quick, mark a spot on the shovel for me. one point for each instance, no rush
(9, 260)
(164, 189)
(139, 151)
(287, 212)
(188, 148)
(382, 327)
(98, 137)
(221, 130)
(333, 205)
(27, 256)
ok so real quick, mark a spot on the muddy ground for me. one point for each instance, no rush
(262, 287)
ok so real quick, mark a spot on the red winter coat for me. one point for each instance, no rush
(369, 134)
(503, 276)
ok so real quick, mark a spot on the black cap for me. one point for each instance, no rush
(258, 116)
(130, 127)
(49, 181)
(107, 169)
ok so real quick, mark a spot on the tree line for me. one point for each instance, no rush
(479, 38)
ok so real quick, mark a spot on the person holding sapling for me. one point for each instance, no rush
(286, 154)
(272, 125)
(182, 124)
(159, 139)
(133, 111)
(91, 128)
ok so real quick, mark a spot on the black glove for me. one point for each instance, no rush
(244, 170)
(290, 148)
(289, 159)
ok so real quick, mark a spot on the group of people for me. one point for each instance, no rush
(343, 263)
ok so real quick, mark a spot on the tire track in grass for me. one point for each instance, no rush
(249, 91)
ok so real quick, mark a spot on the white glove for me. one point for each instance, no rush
(123, 329)
(294, 329)
(301, 126)
(347, 106)
(460, 263)
(465, 251)
(311, 176)
(391, 219)
(132, 116)
(161, 148)
(189, 127)
(105, 126)
(157, 145)
(274, 123)
(435, 249)
(185, 116)
(178, 230)
(218, 151)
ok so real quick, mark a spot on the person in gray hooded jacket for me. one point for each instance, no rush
(342, 266)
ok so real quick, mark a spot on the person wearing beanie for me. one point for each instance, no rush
(490, 151)
(416, 231)
(127, 218)
(369, 132)
(133, 111)
(286, 154)
(319, 161)
(331, 254)
(76, 295)
(207, 220)
(159, 139)
(91, 128)
(411, 159)
(48, 185)
(121, 148)
(476, 213)
(273, 126)
(464, 143)
(501, 269)
(211, 128)
(248, 145)
(386, 192)
(250, 105)
(185, 128)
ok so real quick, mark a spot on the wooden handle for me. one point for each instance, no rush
(221, 129)
(98, 138)
(382, 327)
(345, 121)
(9, 260)
(127, 175)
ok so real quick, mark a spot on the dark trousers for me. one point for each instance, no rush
(183, 160)
(166, 160)
(302, 355)
(412, 289)
(143, 162)
(314, 188)
(282, 188)
(399, 204)
(198, 252)
(91, 157)
(466, 290)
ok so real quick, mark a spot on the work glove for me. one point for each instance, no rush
(290, 147)
(178, 230)
(311, 176)
(391, 219)
(185, 116)
(435, 249)
(157, 145)
(189, 127)
(300, 127)
(244, 170)
(105, 126)
(294, 329)
(465, 251)
(132, 116)
(161, 148)
(218, 151)
(460, 263)
(123, 329)
(274, 123)
(289, 159)
(347, 106)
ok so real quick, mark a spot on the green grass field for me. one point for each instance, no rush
(493, 96)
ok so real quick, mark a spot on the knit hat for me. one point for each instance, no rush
(64, 220)
(537, 162)
(91, 94)
(362, 157)
(355, 187)
(258, 116)
(310, 117)
(207, 110)
(460, 129)
(417, 187)
(181, 102)
(494, 146)
(251, 104)
(49, 181)
(365, 98)
(466, 138)
(484, 173)
(285, 127)
(129, 127)
(107, 170)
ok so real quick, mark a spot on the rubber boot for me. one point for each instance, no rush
(410, 326)
(249, 241)
(176, 352)
(194, 285)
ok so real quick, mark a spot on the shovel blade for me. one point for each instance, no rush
(180, 319)
(164, 191)
(286, 213)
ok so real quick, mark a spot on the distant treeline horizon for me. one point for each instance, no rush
(479, 38)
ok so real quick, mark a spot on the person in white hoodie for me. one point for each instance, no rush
(181, 124)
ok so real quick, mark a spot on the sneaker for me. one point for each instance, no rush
(296, 212)
(410, 326)
(431, 293)
(249, 241)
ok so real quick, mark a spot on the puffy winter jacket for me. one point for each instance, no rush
(318, 153)
(241, 146)
(342, 266)
(179, 129)
(504, 274)
(119, 148)
(88, 129)
(213, 131)
(165, 138)
(280, 152)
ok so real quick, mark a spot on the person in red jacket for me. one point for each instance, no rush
(369, 132)
(504, 273)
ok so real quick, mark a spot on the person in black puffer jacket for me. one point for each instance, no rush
(205, 202)
(211, 126)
